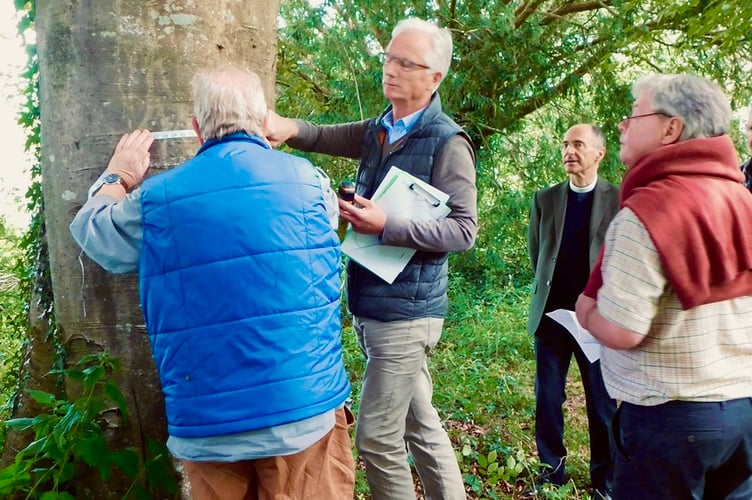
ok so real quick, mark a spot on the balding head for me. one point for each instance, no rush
(582, 150)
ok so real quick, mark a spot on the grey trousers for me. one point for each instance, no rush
(396, 415)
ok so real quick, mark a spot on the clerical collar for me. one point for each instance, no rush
(585, 189)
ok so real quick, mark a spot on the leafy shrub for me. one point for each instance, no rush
(69, 439)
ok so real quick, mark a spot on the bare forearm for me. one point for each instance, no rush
(609, 334)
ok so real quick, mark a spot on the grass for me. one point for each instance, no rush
(483, 372)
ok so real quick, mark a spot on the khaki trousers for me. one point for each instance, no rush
(324, 470)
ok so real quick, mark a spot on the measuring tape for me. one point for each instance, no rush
(173, 134)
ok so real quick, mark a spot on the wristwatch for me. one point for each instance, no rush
(111, 178)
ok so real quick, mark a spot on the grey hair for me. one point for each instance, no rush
(599, 135)
(228, 99)
(440, 56)
(699, 102)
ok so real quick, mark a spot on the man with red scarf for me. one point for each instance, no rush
(671, 299)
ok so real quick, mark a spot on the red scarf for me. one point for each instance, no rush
(691, 199)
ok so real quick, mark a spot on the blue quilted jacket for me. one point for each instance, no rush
(240, 287)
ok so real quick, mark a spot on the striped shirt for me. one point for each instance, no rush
(701, 354)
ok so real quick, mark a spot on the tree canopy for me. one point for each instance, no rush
(512, 58)
(522, 73)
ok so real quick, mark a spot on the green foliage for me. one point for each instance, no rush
(523, 72)
(13, 307)
(24, 262)
(483, 372)
(511, 58)
(69, 439)
(488, 469)
(484, 348)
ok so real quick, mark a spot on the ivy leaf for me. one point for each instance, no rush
(35, 447)
(20, 424)
(116, 396)
(73, 374)
(13, 478)
(72, 417)
(92, 375)
(43, 398)
(67, 471)
(160, 472)
(139, 493)
(56, 495)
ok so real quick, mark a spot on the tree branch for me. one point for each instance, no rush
(524, 11)
(573, 8)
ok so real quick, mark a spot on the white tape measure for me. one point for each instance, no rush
(173, 134)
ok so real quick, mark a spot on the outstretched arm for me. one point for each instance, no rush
(278, 129)
(108, 227)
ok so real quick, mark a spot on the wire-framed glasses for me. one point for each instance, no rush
(634, 117)
(403, 63)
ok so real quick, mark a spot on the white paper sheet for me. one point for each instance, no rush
(589, 344)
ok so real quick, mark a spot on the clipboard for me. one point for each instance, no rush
(399, 194)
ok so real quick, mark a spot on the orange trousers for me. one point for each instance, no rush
(324, 470)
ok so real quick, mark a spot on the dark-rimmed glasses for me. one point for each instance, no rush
(403, 63)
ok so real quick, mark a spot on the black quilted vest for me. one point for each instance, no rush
(419, 291)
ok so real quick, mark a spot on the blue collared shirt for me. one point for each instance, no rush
(396, 131)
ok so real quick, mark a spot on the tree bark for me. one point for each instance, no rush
(108, 67)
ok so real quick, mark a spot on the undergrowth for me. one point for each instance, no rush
(483, 371)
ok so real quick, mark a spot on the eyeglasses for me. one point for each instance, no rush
(634, 117)
(403, 63)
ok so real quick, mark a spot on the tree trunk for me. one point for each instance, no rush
(108, 67)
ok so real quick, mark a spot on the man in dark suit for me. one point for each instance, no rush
(568, 222)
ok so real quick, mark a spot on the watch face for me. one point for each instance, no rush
(111, 178)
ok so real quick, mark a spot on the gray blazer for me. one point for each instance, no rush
(544, 236)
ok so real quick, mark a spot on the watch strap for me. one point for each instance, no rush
(102, 180)
(115, 178)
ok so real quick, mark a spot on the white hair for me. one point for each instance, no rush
(699, 102)
(227, 100)
(440, 56)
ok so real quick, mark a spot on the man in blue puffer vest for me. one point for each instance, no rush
(239, 268)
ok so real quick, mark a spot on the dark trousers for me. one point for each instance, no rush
(683, 449)
(554, 347)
